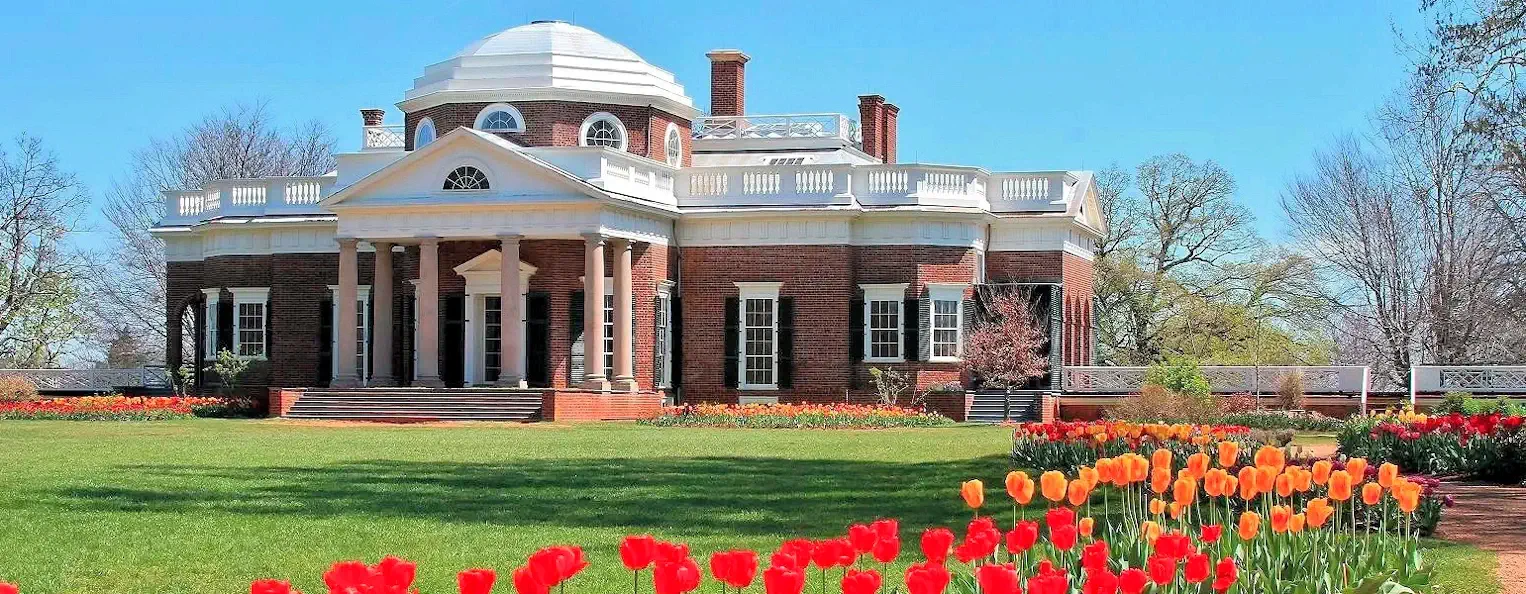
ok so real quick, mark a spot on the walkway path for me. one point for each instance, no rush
(1487, 516)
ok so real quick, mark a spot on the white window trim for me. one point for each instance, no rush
(676, 160)
(209, 334)
(487, 177)
(625, 136)
(260, 295)
(665, 303)
(363, 308)
(885, 292)
(434, 132)
(945, 292)
(756, 290)
(519, 120)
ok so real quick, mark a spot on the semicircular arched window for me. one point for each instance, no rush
(466, 177)
(603, 129)
(499, 121)
(424, 133)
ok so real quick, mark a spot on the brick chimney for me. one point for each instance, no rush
(889, 137)
(372, 116)
(871, 124)
(727, 82)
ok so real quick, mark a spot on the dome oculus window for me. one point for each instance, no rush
(500, 117)
(424, 133)
(466, 177)
(603, 129)
(673, 142)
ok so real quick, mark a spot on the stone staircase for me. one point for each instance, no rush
(419, 404)
(996, 407)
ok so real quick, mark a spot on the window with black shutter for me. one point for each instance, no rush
(911, 332)
(786, 342)
(732, 340)
(676, 345)
(538, 339)
(856, 330)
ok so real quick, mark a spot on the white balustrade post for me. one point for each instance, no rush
(1366, 381)
(1414, 396)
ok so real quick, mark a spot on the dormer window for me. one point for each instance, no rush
(603, 129)
(500, 117)
(466, 177)
(423, 133)
(673, 143)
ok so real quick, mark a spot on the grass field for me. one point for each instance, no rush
(206, 506)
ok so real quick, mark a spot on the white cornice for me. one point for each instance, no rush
(443, 97)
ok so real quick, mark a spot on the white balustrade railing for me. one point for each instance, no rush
(246, 197)
(97, 381)
(893, 184)
(1347, 380)
(382, 137)
(803, 125)
(1478, 379)
(1045, 186)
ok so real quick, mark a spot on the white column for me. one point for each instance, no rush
(625, 366)
(210, 338)
(344, 374)
(381, 316)
(511, 371)
(593, 314)
(426, 372)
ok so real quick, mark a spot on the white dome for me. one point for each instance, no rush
(548, 60)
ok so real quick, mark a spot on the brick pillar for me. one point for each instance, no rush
(426, 372)
(888, 138)
(372, 116)
(381, 318)
(344, 320)
(871, 124)
(593, 314)
(625, 368)
(727, 82)
(512, 366)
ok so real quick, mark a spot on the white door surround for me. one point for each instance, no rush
(483, 280)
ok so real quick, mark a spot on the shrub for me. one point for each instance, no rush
(1491, 447)
(1157, 404)
(1282, 419)
(1290, 392)
(889, 385)
(1180, 375)
(795, 416)
(15, 388)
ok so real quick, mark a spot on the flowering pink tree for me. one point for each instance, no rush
(1004, 348)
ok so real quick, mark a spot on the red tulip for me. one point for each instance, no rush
(998, 579)
(833, 552)
(734, 568)
(397, 574)
(981, 540)
(1211, 533)
(1094, 556)
(887, 528)
(346, 576)
(860, 582)
(862, 537)
(781, 579)
(554, 565)
(797, 552)
(1196, 569)
(671, 552)
(926, 578)
(1050, 583)
(1059, 516)
(887, 549)
(675, 577)
(1225, 574)
(6, 588)
(1022, 536)
(1100, 581)
(1162, 569)
(1064, 538)
(524, 582)
(1173, 546)
(258, 587)
(1133, 581)
(936, 543)
(638, 551)
(476, 581)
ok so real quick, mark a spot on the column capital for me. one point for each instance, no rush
(510, 237)
(595, 238)
(348, 242)
(429, 240)
(382, 246)
(620, 243)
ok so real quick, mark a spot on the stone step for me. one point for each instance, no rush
(430, 404)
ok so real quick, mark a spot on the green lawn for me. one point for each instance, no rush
(206, 506)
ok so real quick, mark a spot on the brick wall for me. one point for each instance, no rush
(1055, 267)
(574, 405)
(917, 265)
(556, 123)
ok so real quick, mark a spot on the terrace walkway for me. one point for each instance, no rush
(1476, 519)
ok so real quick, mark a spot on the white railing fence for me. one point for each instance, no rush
(247, 197)
(97, 381)
(892, 184)
(1348, 380)
(1502, 380)
(382, 137)
(800, 125)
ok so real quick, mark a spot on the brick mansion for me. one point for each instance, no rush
(558, 230)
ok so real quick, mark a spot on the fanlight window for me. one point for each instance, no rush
(674, 145)
(424, 134)
(604, 130)
(466, 178)
(499, 121)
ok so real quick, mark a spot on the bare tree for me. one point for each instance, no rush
(1004, 348)
(237, 142)
(40, 205)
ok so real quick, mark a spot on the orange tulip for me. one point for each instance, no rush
(1281, 515)
(1088, 475)
(1160, 480)
(1213, 482)
(1052, 485)
(1250, 524)
(1184, 491)
(1229, 453)
(1079, 492)
(1248, 483)
(1372, 493)
(1197, 465)
(1340, 485)
(1318, 511)
(1230, 484)
(1387, 472)
(1161, 459)
(1302, 480)
(1357, 468)
(1157, 506)
(1295, 523)
(1139, 468)
(1408, 495)
(1284, 485)
(1270, 456)
(973, 492)
(1086, 526)
(1014, 483)
(1150, 530)
(1266, 478)
(1176, 510)
(1105, 470)
(1322, 470)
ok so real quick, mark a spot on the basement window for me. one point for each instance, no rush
(785, 161)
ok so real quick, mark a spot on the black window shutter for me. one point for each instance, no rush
(268, 326)
(856, 330)
(325, 342)
(676, 321)
(225, 326)
(786, 342)
(733, 341)
(575, 338)
(658, 337)
(911, 329)
(925, 344)
(537, 339)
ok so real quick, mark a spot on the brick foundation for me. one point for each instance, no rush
(281, 400)
(578, 405)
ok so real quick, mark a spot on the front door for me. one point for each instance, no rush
(453, 341)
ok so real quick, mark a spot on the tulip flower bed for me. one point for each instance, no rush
(1070, 445)
(796, 416)
(1491, 447)
(111, 408)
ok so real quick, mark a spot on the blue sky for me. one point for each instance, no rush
(1256, 86)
